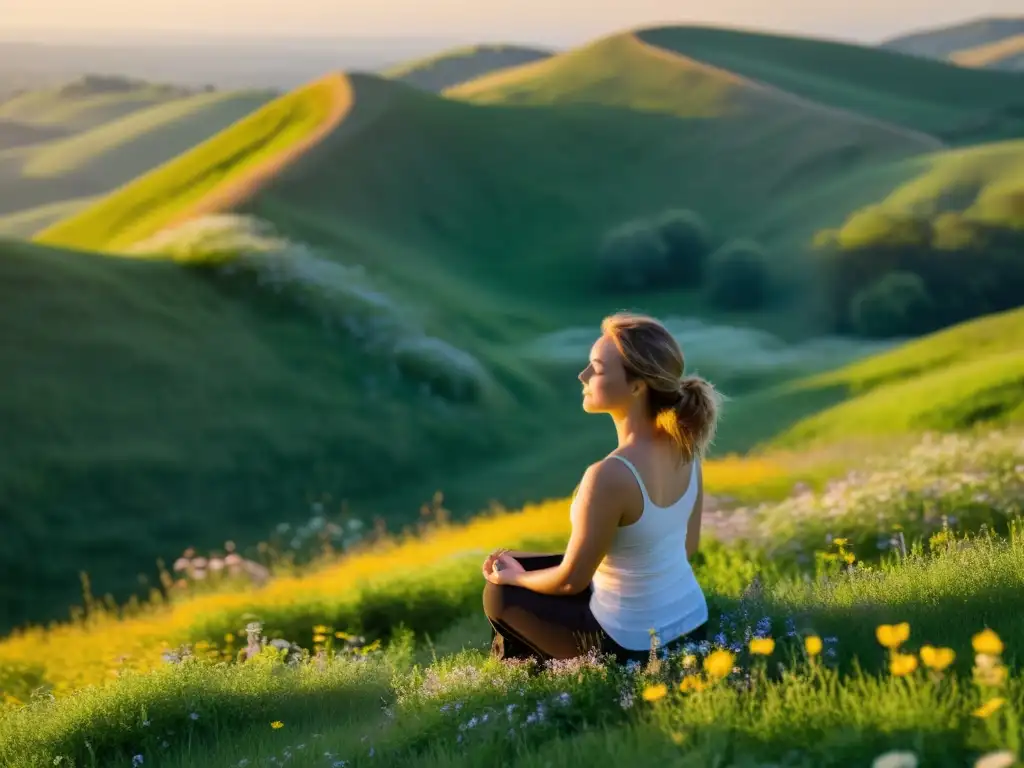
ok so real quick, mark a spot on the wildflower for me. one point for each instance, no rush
(320, 629)
(319, 638)
(677, 738)
(988, 670)
(840, 542)
(692, 684)
(655, 692)
(895, 759)
(719, 664)
(987, 642)
(689, 660)
(989, 707)
(1002, 759)
(892, 636)
(277, 724)
(762, 646)
(937, 658)
(137, 761)
(229, 638)
(902, 664)
(812, 643)
(194, 716)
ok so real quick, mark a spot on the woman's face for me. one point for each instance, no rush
(605, 388)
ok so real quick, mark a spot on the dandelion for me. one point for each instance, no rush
(812, 644)
(892, 636)
(987, 642)
(719, 664)
(762, 646)
(989, 707)
(902, 664)
(895, 759)
(1002, 759)
(655, 692)
(277, 724)
(937, 658)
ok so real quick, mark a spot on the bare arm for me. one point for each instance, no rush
(602, 497)
(693, 526)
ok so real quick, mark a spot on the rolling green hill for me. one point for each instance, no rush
(943, 42)
(367, 281)
(1007, 53)
(86, 103)
(968, 375)
(100, 159)
(444, 176)
(459, 65)
(954, 104)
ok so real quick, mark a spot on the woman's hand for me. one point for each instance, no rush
(500, 568)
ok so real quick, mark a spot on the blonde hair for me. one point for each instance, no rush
(686, 408)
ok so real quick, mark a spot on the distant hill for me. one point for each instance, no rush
(954, 104)
(1007, 54)
(458, 65)
(944, 42)
(956, 379)
(86, 102)
(96, 160)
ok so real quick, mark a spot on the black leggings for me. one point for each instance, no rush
(528, 624)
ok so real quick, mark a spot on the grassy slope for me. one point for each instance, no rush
(79, 106)
(164, 195)
(26, 223)
(955, 104)
(941, 42)
(407, 178)
(966, 375)
(457, 66)
(1007, 53)
(98, 160)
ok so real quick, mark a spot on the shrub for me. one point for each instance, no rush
(632, 257)
(687, 242)
(896, 305)
(737, 276)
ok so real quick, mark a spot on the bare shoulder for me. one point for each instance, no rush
(609, 476)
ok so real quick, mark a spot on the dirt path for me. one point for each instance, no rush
(928, 142)
(237, 191)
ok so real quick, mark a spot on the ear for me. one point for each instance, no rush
(638, 387)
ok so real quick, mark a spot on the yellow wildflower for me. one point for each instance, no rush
(719, 663)
(989, 707)
(655, 692)
(277, 724)
(762, 646)
(987, 642)
(319, 638)
(849, 557)
(812, 643)
(320, 629)
(902, 664)
(677, 738)
(692, 684)
(689, 660)
(988, 670)
(892, 636)
(229, 638)
(937, 658)
(840, 542)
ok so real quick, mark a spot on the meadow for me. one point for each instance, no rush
(287, 367)
(870, 616)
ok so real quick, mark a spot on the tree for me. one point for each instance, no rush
(737, 276)
(896, 305)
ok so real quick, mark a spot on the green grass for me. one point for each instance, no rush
(448, 68)
(494, 195)
(956, 104)
(98, 160)
(958, 378)
(132, 213)
(81, 105)
(424, 703)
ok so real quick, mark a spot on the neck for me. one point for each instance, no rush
(632, 428)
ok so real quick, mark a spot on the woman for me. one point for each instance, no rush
(625, 577)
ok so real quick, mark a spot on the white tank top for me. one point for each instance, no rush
(645, 580)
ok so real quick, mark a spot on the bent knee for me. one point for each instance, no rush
(494, 600)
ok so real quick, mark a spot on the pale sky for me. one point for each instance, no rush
(555, 22)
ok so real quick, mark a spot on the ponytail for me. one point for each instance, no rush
(692, 420)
